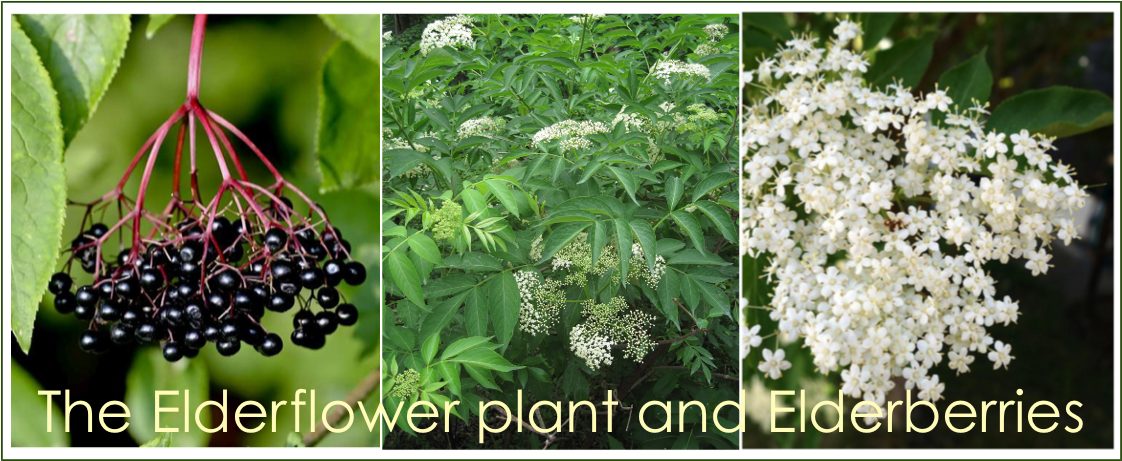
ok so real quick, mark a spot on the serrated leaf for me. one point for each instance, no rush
(430, 346)
(505, 306)
(687, 221)
(81, 52)
(425, 247)
(630, 184)
(473, 261)
(623, 244)
(475, 312)
(440, 317)
(150, 373)
(363, 31)
(693, 256)
(674, 189)
(502, 192)
(405, 276)
(450, 373)
(464, 344)
(561, 236)
(38, 184)
(155, 23)
(711, 182)
(668, 289)
(484, 358)
(645, 234)
(1058, 111)
(906, 62)
(482, 376)
(400, 336)
(347, 141)
(971, 80)
(720, 217)
(448, 285)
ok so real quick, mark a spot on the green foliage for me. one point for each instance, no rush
(348, 108)
(156, 22)
(969, 81)
(905, 62)
(29, 410)
(363, 31)
(164, 440)
(150, 373)
(548, 190)
(1056, 111)
(39, 183)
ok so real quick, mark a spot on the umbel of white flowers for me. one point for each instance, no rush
(915, 196)
(454, 32)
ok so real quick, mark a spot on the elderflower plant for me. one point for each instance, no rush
(667, 69)
(877, 210)
(571, 133)
(453, 32)
(609, 324)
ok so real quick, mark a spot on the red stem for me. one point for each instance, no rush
(195, 62)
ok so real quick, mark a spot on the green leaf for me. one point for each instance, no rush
(561, 236)
(425, 247)
(150, 373)
(30, 410)
(400, 336)
(1058, 111)
(464, 344)
(294, 440)
(448, 285)
(674, 189)
(720, 217)
(668, 289)
(875, 26)
(573, 382)
(646, 237)
(505, 306)
(688, 222)
(475, 312)
(698, 258)
(38, 184)
(429, 347)
(164, 441)
(775, 24)
(482, 376)
(438, 118)
(485, 358)
(155, 23)
(405, 276)
(969, 80)
(906, 61)
(474, 261)
(363, 31)
(623, 244)
(450, 373)
(711, 182)
(347, 142)
(630, 184)
(502, 192)
(81, 52)
(440, 317)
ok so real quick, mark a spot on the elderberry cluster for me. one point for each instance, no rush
(195, 286)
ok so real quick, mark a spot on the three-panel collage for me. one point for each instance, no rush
(626, 231)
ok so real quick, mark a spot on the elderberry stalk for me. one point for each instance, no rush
(207, 270)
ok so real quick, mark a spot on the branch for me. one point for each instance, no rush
(360, 393)
(719, 375)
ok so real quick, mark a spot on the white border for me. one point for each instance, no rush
(652, 7)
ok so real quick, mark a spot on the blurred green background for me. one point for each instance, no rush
(262, 74)
(1063, 341)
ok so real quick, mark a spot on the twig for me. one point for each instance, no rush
(719, 375)
(360, 393)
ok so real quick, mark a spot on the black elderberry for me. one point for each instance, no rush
(121, 333)
(212, 333)
(83, 312)
(131, 317)
(228, 347)
(105, 289)
(59, 283)
(276, 239)
(222, 230)
(109, 312)
(316, 250)
(216, 302)
(346, 314)
(333, 271)
(312, 278)
(327, 322)
(147, 331)
(282, 272)
(226, 280)
(303, 320)
(281, 302)
(255, 268)
(65, 303)
(172, 316)
(172, 351)
(194, 315)
(260, 293)
(191, 251)
(190, 271)
(186, 290)
(126, 289)
(354, 273)
(89, 265)
(327, 297)
(124, 258)
(233, 254)
(98, 230)
(87, 296)
(229, 329)
(308, 338)
(151, 280)
(194, 339)
(94, 341)
(271, 345)
(243, 300)
(251, 334)
(339, 249)
(190, 353)
(289, 288)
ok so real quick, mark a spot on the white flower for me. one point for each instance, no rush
(664, 70)
(573, 132)
(749, 338)
(1000, 355)
(773, 364)
(452, 32)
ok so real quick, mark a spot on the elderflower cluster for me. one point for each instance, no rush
(453, 32)
(716, 33)
(664, 70)
(913, 195)
(542, 301)
(638, 261)
(390, 143)
(447, 221)
(631, 121)
(586, 19)
(482, 126)
(609, 324)
(573, 133)
(387, 38)
(405, 384)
